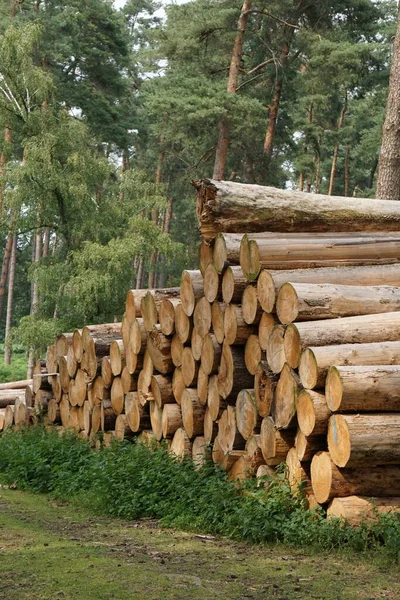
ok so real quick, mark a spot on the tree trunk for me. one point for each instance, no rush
(4, 270)
(224, 127)
(274, 107)
(8, 342)
(388, 185)
(162, 281)
(336, 150)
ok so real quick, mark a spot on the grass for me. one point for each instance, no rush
(18, 368)
(133, 482)
(56, 551)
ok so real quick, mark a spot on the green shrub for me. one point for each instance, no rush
(132, 481)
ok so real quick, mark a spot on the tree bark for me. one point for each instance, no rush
(388, 185)
(224, 127)
(10, 304)
(336, 150)
(236, 207)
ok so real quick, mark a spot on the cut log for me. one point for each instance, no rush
(363, 389)
(159, 347)
(117, 396)
(210, 354)
(264, 389)
(55, 387)
(265, 327)
(126, 328)
(53, 412)
(166, 315)
(315, 361)
(251, 308)
(210, 428)
(236, 207)
(156, 413)
(196, 345)
(307, 446)
(161, 389)
(265, 476)
(214, 401)
(252, 354)
(137, 415)
(274, 444)
(72, 365)
(42, 398)
(202, 317)
(138, 336)
(51, 363)
(176, 351)
(107, 417)
(16, 385)
(205, 256)
(254, 453)
(225, 459)
(276, 356)
(40, 376)
(284, 406)
(226, 250)
(64, 410)
(266, 290)
(62, 344)
(192, 413)
(217, 320)
(78, 389)
(191, 290)
(134, 299)
(356, 510)
(306, 301)
(106, 372)
(143, 387)
(181, 445)
(122, 429)
(200, 451)
(202, 386)
(248, 420)
(233, 375)
(117, 357)
(228, 434)
(149, 311)
(383, 327)
(313, 413)
(236, 330)
(183, 325)
(77, 345)
(8, 397)
(87, 417)
(328, 481)
(178, 385)
(171, 420)
(129, 382)
(190, 367)
(212, 284)
(29, 396)
(233, 285)
(359, 440)
(298, 474)
(259, 252)
(242, 469)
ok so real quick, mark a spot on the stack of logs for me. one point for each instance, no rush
(284, 346)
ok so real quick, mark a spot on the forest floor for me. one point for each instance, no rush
(52, 551)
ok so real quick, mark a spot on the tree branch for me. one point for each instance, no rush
(266, 13)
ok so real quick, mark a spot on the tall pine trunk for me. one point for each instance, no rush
(336, 150)
(276, 100)
(153, 260)
(388, 185)
(35, 298)
(166, 229)
(10, 303)
(225, 124)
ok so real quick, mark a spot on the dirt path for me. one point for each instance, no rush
(50, 551)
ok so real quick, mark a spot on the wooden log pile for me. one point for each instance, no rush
(283, 346)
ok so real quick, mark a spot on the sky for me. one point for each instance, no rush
(119, 3)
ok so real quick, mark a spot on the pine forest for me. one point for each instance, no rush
(108, 114)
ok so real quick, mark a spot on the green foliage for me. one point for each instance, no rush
(132, 481)
(17, 370)
(34, 332)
